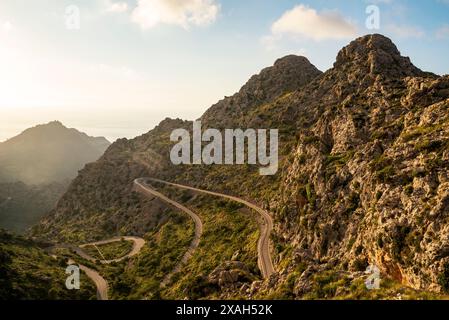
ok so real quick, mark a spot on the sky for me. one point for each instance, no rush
(116, 68)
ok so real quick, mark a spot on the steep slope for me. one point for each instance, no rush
(288, 74)
(368, 183)
(363, 173)
(22, 206)
(99, 202)
(36, 168)
(48, 153)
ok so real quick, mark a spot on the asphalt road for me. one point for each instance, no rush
(100, 282)
(138, 244)
(263, 246)
(148, 190)
(142, 185)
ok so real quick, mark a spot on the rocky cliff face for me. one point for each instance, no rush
(363, 178)
(369, 181)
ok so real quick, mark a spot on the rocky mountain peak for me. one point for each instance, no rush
(288, 74)
(55, 123)
(48, 153)
(376, 54)
(293, 61)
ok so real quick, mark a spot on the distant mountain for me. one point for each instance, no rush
(48, 153)
(37, 166)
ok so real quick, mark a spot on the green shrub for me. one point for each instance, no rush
(408, 189)
(380, 241)
(399, 241)
(310, 192)
(311, 140)
(360, 264)
(339, 159)
(378, 195)
(428, 145)
(443, 278)
(354, 202)
(385, 174)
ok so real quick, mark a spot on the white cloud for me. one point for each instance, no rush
(184, 13)
(307, 22)
(117, 7)
(405, 31)
(443, 32)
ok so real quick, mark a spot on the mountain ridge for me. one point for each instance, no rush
(36, 167)
(363, 151)
(287, 74)
(48, 153)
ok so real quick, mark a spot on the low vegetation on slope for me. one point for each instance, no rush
(27, 272)
(226, 258)
(139, 277)
(109, 251)
(340, 285)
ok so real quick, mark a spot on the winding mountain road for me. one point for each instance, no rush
(138, 244)
(263, 246)
(144, 188)
(142, 185)
(100, 282)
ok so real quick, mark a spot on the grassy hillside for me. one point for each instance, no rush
(139, 277)
(109, 251)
